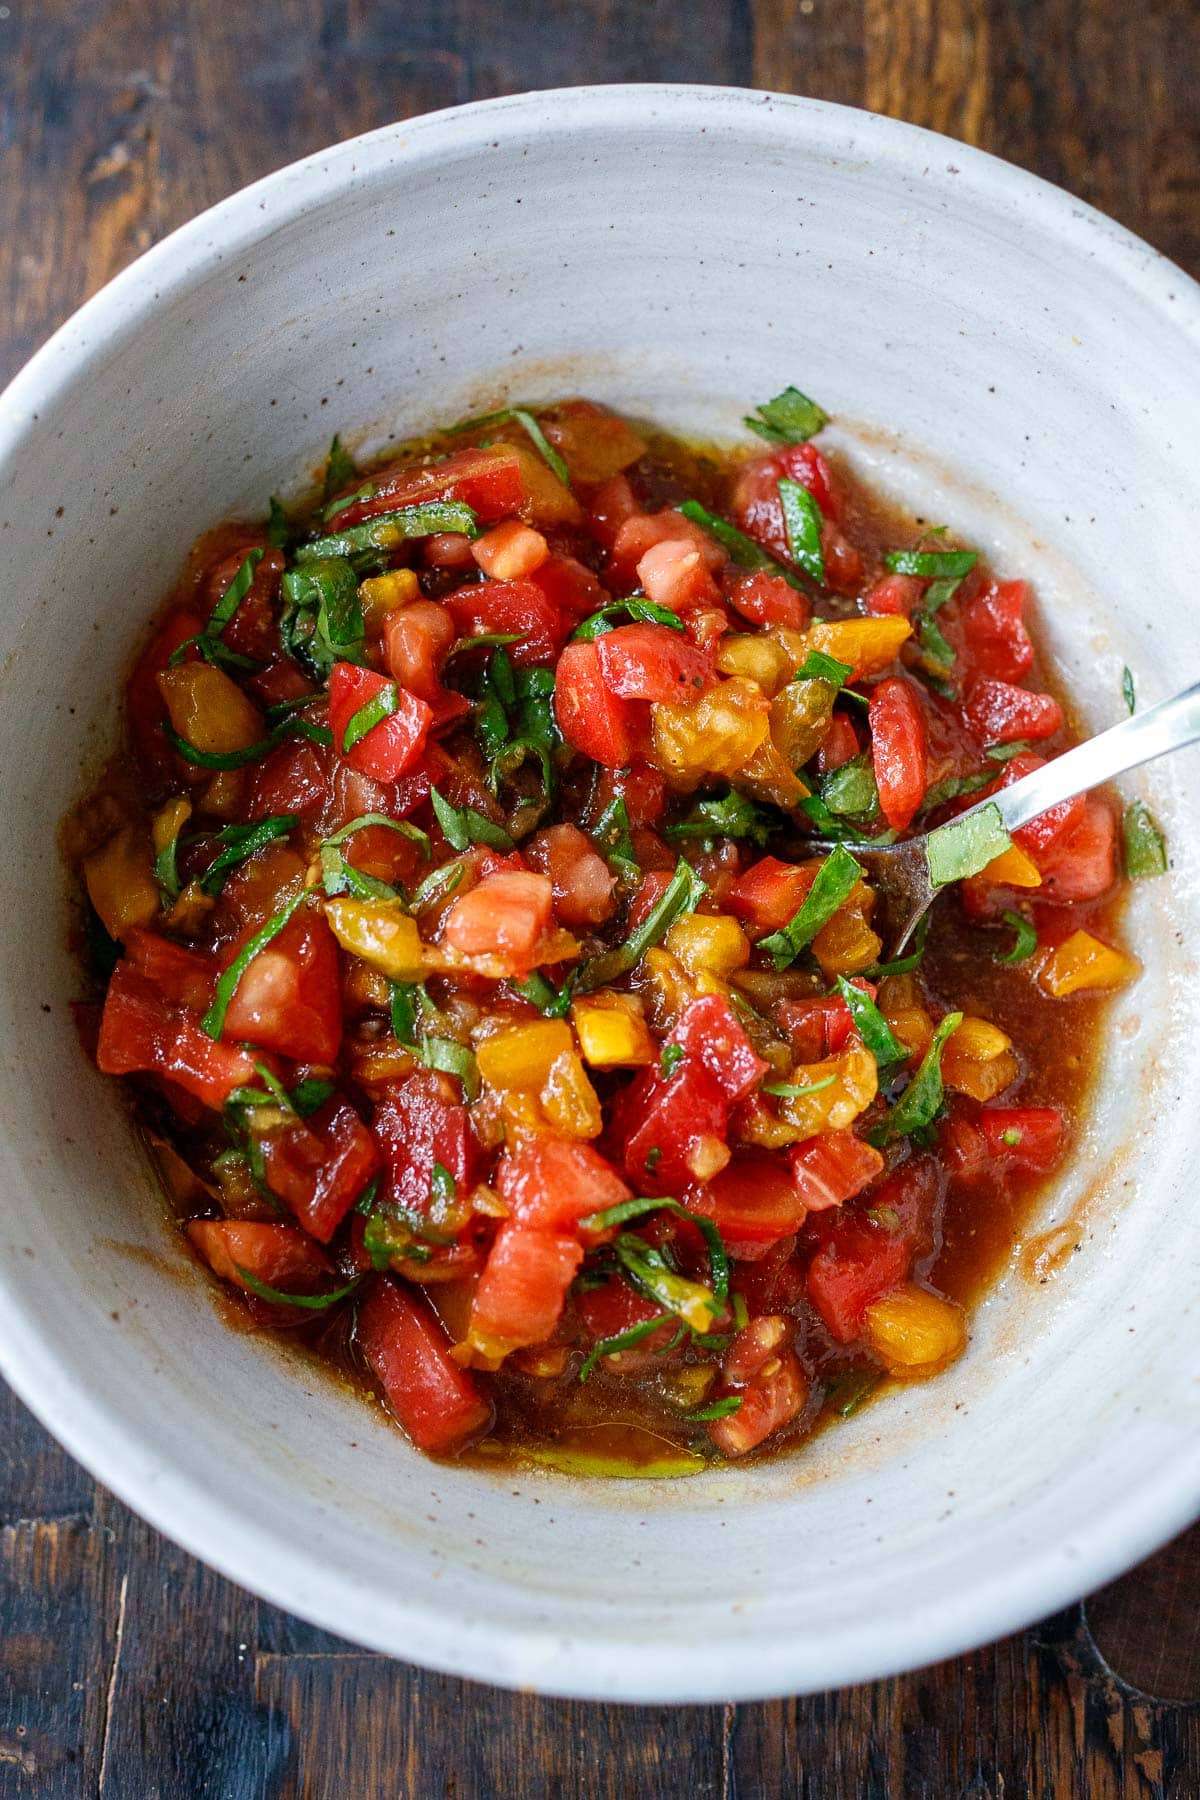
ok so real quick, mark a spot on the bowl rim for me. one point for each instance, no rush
(116, 1452)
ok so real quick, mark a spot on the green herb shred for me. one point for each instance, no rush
(921, 1101)
(838, 875)
(213, 1021)
(1145, 846)
(966, 845)
(790, 418)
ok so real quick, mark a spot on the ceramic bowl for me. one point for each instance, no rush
(993, 351)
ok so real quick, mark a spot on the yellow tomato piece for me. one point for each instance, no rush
(120, 882)
(169, 822)
(913, 1332)
(208, 709)
(547, 501)
(710, 943)
(800, 715)
(978, 1059)
(385, 1060)
(569, 1100)
(900, 1004)
(522, 1056)
(190, 910)
(1012, 868)
(758, 658)
(364, 989)
(612, 1032)
(224, 796)
(768, 777)
(1084, 963)
(667, 986)
(769, 1130)
(716, 736)
(381, 934)
(846, 943)
(868, 645)
(854, 1086)
(382, 594)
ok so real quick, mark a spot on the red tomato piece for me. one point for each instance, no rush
(321, 1168)
(754, 1201)
(506, 916)
(708, 1032)
(583, 882)
(516, 606)
(673, 1129)
(510, 551)
(832, 1168)
(612, 503)
(139, 1033)
(770, 892)
(416, 641)
(437, 1402)
(999, 713)
(253, 629)
(1029, 1135)
(765, 599)
(523, 1287)
(899, 750)
(419, 1122)
(612, 1310)
(1043, 831)
(552, 1183)
(280, 1256)
(652, 662)
(184, 977)
(839, 745)
(816, 1028)
(294, 778)
(1081, 863)
(489, 481)
(570, 588)
(855, 1266)
(763, 1368)
(997, 642)
(674, 574)
(962, 1145)
(290, 997)
(390, 748)
(591, 718)
(642, 531)
(896, 594)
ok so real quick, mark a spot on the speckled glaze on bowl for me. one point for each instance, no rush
(680, 252)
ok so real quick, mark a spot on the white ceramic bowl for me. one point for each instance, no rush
(680, 252)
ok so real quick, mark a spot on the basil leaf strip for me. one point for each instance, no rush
(540, 991)
(322, 618)
(683, 894)
(817, 666)
(649, 1272)
(462, 826)
(718, 1256)
(641, 611)
(525, 419)
(208, 641)
(339, 469)
(790, 418)
(373, 712)
(849, 792)
(874, 1030)
(613, 837)
(449, 1057)
(213, 1021)
(1145, 846)
(838, 875)
(311, 1302)
(240, 842)
(802, 522)
(903, 965)
(390, 529)
(741, 549)
(624, 1340)
(966, 845)
(932, 565)
(279, 526)
(787, 1090)
(1026, 941)
(166, 869)
(954, 787)
(237, 759)
(716, 1409)
(402, 826)
(1128, 691)
(921, 1100)
(732, 816)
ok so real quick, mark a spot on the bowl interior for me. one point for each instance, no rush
(1013, 365)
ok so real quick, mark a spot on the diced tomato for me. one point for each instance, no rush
(437, 1402)
(1029, 1135)
(552, 1183)
(184, 977)
(294, 778)
(583, 882)
(523, 1287)
(816, 1028)
(506, 916)
(705, 623)
(770, 892)
(510, 551)
(510, 606)
(754, 1201)
(489, 481)
(612, 503)
(642, 531)
(651, 889)
(1081, 863)
(763, 1369)
(1043, 831)
(320, 1168)
(997, 642)
(420, 1122)
(290, 997)
(280, 681)
(832, 1168)
(140, 1033)
(591, 718)
(253, 630)
(354, 793)
(999, 713)
(390, 748)
(642, 788)
(765, 599)
(144, 707)
(416, 641)
(839, 745)
(569, 587)
(843, 561)
(651, 662)
(857, 1264)
(804, 463)
(673, 573)
(962, 1145)
(595, 443)
(899, 750)
(896, 594)
(708, 1032)
(279, 1256)
(447, 550)
(615, 1308)
(673, 1129)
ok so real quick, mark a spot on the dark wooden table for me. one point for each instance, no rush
(127, 1670)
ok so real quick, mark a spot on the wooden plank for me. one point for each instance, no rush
(928, 61)
(814, 49)
(37, 1477)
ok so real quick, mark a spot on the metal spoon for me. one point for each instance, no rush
(900, 872)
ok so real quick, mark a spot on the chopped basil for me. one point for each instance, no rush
(741, 549)
(790, 418)
(344, 501)
(525, 419)
(802, 523)
(716, 1409)
(874, 1030)
(966, 845)
(279, 526)
(373, 712)
(239, 842)
(838, 875)
(932, 565)
(310, 1302)
(936, 654)
(624, 1340)
(849, 791)
(921, 1101)
(903, 965)
(641, 611)
(1145, 846)
(209, 642)
(293, 725)
(938, 593)
(683, 894)
(341, 877)
(954, 787)
(1003, 753)
(462, 826)
(309, 1096)
(1129, 692)
(339, 469)
(819, 667)
(390, 529)
(787, 1090)
(846, 1392)
(672, 1056)
(514, 721)
(442, 1185)
(613, 837)
(1026, 940)
(213, 1021)
(732, 816)
(405, 1003)
(741, 1312)
(322, 620)
(449, 1057)
(438, 885)
(718, 1256)
(166, 869)
(540, 991)
(647, 1269)
(402, 826)
(365, 1204)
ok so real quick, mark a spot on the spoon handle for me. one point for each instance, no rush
(1168, 726)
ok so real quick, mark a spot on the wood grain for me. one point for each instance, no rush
(129, 1672)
